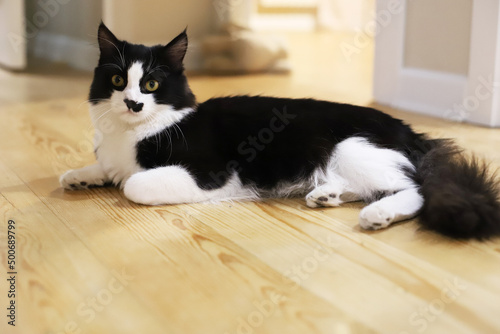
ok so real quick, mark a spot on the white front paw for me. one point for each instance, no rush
(375, 217)
(78, 180)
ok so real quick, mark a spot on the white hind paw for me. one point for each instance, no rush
(375, 217)
(325, 195)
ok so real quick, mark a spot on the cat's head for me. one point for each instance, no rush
(136, 84)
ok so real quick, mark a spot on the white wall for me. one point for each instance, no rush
(158, 21)
(344, 15)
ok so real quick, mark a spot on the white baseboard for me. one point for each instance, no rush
(432, 93)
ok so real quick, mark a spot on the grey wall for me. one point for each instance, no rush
(63, 30)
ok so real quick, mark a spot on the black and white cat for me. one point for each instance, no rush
(157, 143)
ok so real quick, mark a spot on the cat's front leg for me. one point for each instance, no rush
(165, 185)
(83, 178)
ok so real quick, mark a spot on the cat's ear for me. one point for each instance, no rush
(175, 51)
(108, 43)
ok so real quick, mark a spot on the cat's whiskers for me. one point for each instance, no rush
(150, 119)
(100, 107)
(169, 134)
(111, 65)
(87, 101)
(90, 101)
(177, 127)
(158, 68)
(122, 58)
(151, 61)
(157, 118)
(105, 112)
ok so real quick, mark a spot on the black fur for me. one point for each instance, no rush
(268, 141)
(461, 196)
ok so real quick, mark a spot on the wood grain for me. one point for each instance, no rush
(92, 262)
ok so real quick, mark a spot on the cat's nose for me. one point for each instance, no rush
(133, 105)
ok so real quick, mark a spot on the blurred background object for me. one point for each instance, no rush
(12, 41)
(239, 50)
(439, 58)
(432, 56)
(64, 31)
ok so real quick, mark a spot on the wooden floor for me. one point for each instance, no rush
(92, 262)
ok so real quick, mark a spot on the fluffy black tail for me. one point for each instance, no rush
(461, 197)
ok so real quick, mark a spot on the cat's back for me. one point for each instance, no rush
(245, 105)
(255, 112)
(306, 120)
(298, 113)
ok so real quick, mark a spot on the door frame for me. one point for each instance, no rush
(12, 35)
(473, 98)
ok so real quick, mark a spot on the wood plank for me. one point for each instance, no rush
(58, 277)
(197, 265)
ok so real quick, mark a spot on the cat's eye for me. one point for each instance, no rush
(117, 80)
(152, 85)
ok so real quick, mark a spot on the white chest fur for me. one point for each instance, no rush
(115, 144)
(116, 153)
(118, 129)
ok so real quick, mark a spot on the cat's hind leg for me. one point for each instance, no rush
(403, 205)
(370, 171)
(333, 193)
